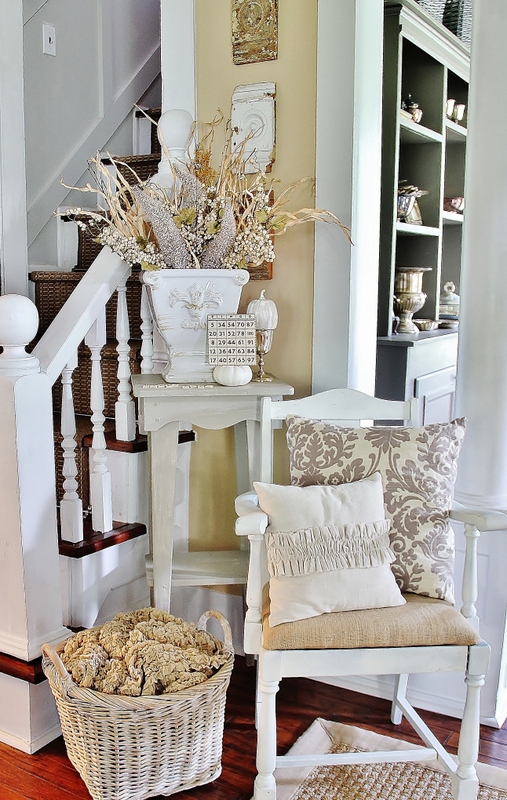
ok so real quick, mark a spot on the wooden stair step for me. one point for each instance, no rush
(94, 542)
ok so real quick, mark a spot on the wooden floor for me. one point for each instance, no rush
(48, 774)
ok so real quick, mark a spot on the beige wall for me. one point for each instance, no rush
(294, 73)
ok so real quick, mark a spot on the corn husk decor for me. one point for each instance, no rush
(209, 219)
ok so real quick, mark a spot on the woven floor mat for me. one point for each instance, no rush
(397, 781)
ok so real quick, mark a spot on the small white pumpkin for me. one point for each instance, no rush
(232, 375)
(265, 312)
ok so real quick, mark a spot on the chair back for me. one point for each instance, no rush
(343, 406)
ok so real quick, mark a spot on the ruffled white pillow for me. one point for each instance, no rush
(327, 548)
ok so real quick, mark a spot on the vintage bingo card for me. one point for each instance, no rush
(231, 339)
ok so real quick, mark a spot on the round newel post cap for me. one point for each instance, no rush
(174, 131)
(19, 323)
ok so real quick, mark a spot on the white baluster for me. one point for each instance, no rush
(100, 478)
(71, 506)
(146, 334)
(124, 409)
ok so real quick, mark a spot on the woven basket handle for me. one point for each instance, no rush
(226, 628)
(67, 684)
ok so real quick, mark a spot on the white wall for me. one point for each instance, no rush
(107, 56)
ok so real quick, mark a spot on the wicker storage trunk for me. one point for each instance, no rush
(130, 748)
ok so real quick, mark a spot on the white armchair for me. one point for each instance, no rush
(302, 629)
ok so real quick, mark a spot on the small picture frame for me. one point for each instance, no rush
(231, 340)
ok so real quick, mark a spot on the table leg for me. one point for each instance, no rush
(163, 456)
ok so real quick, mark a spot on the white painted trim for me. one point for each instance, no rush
(53, 194)
(178, 50)
(19, 647)
(382, 686)
(13, 226)
(348, 161)
(481, 501)
(33, 746)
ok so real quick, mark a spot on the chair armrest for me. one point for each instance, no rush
(482, 519)
(245, 503)
(251, 520)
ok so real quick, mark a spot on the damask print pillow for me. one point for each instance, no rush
(418, 468)
(327, 549)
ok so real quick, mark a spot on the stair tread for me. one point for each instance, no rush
(94, 542)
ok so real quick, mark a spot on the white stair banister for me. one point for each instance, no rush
(146, 334)
(29, 567)
(74, 320)
(124, 408)
(71, 506)
(100, 478)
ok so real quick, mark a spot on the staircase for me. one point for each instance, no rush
(79, 419)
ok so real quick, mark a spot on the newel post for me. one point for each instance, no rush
(30, 600)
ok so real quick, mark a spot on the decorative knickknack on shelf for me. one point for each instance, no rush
(408, 296)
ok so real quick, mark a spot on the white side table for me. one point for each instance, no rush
(162, 407)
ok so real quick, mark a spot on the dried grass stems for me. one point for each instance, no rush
(211, 217)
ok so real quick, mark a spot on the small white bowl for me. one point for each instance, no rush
(426, 324)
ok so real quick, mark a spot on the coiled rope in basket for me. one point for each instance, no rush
(130, 748)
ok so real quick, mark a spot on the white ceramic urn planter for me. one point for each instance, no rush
(180, 301)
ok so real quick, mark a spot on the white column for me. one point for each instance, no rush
(13, 227)
(177, 33)
(348, 160)
(482, 355)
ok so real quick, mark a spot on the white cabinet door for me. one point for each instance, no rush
(435, 392)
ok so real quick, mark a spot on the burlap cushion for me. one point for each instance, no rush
(327, 549)
(418, 468)
(422, 621)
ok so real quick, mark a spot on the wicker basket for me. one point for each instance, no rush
(129, 748)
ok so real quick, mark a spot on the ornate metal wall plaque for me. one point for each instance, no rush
(254, 31)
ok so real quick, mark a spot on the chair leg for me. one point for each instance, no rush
(400, 691)
(465, 784)
(265, 786)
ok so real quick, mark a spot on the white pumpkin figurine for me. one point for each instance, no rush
(230, 375)
(266, 320)
(265, 313)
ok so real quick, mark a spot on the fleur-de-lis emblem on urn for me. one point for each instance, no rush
(197, 300)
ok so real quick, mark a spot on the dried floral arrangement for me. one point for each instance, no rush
(212, 218)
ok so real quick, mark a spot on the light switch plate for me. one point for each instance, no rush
(48, 39)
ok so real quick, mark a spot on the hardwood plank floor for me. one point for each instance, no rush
(48, 774)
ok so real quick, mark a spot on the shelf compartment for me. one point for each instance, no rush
(405, 229)
(422, 251)
(452, 218)
(414, 133)
(422, 76)
(454, 132)
(421, 165)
